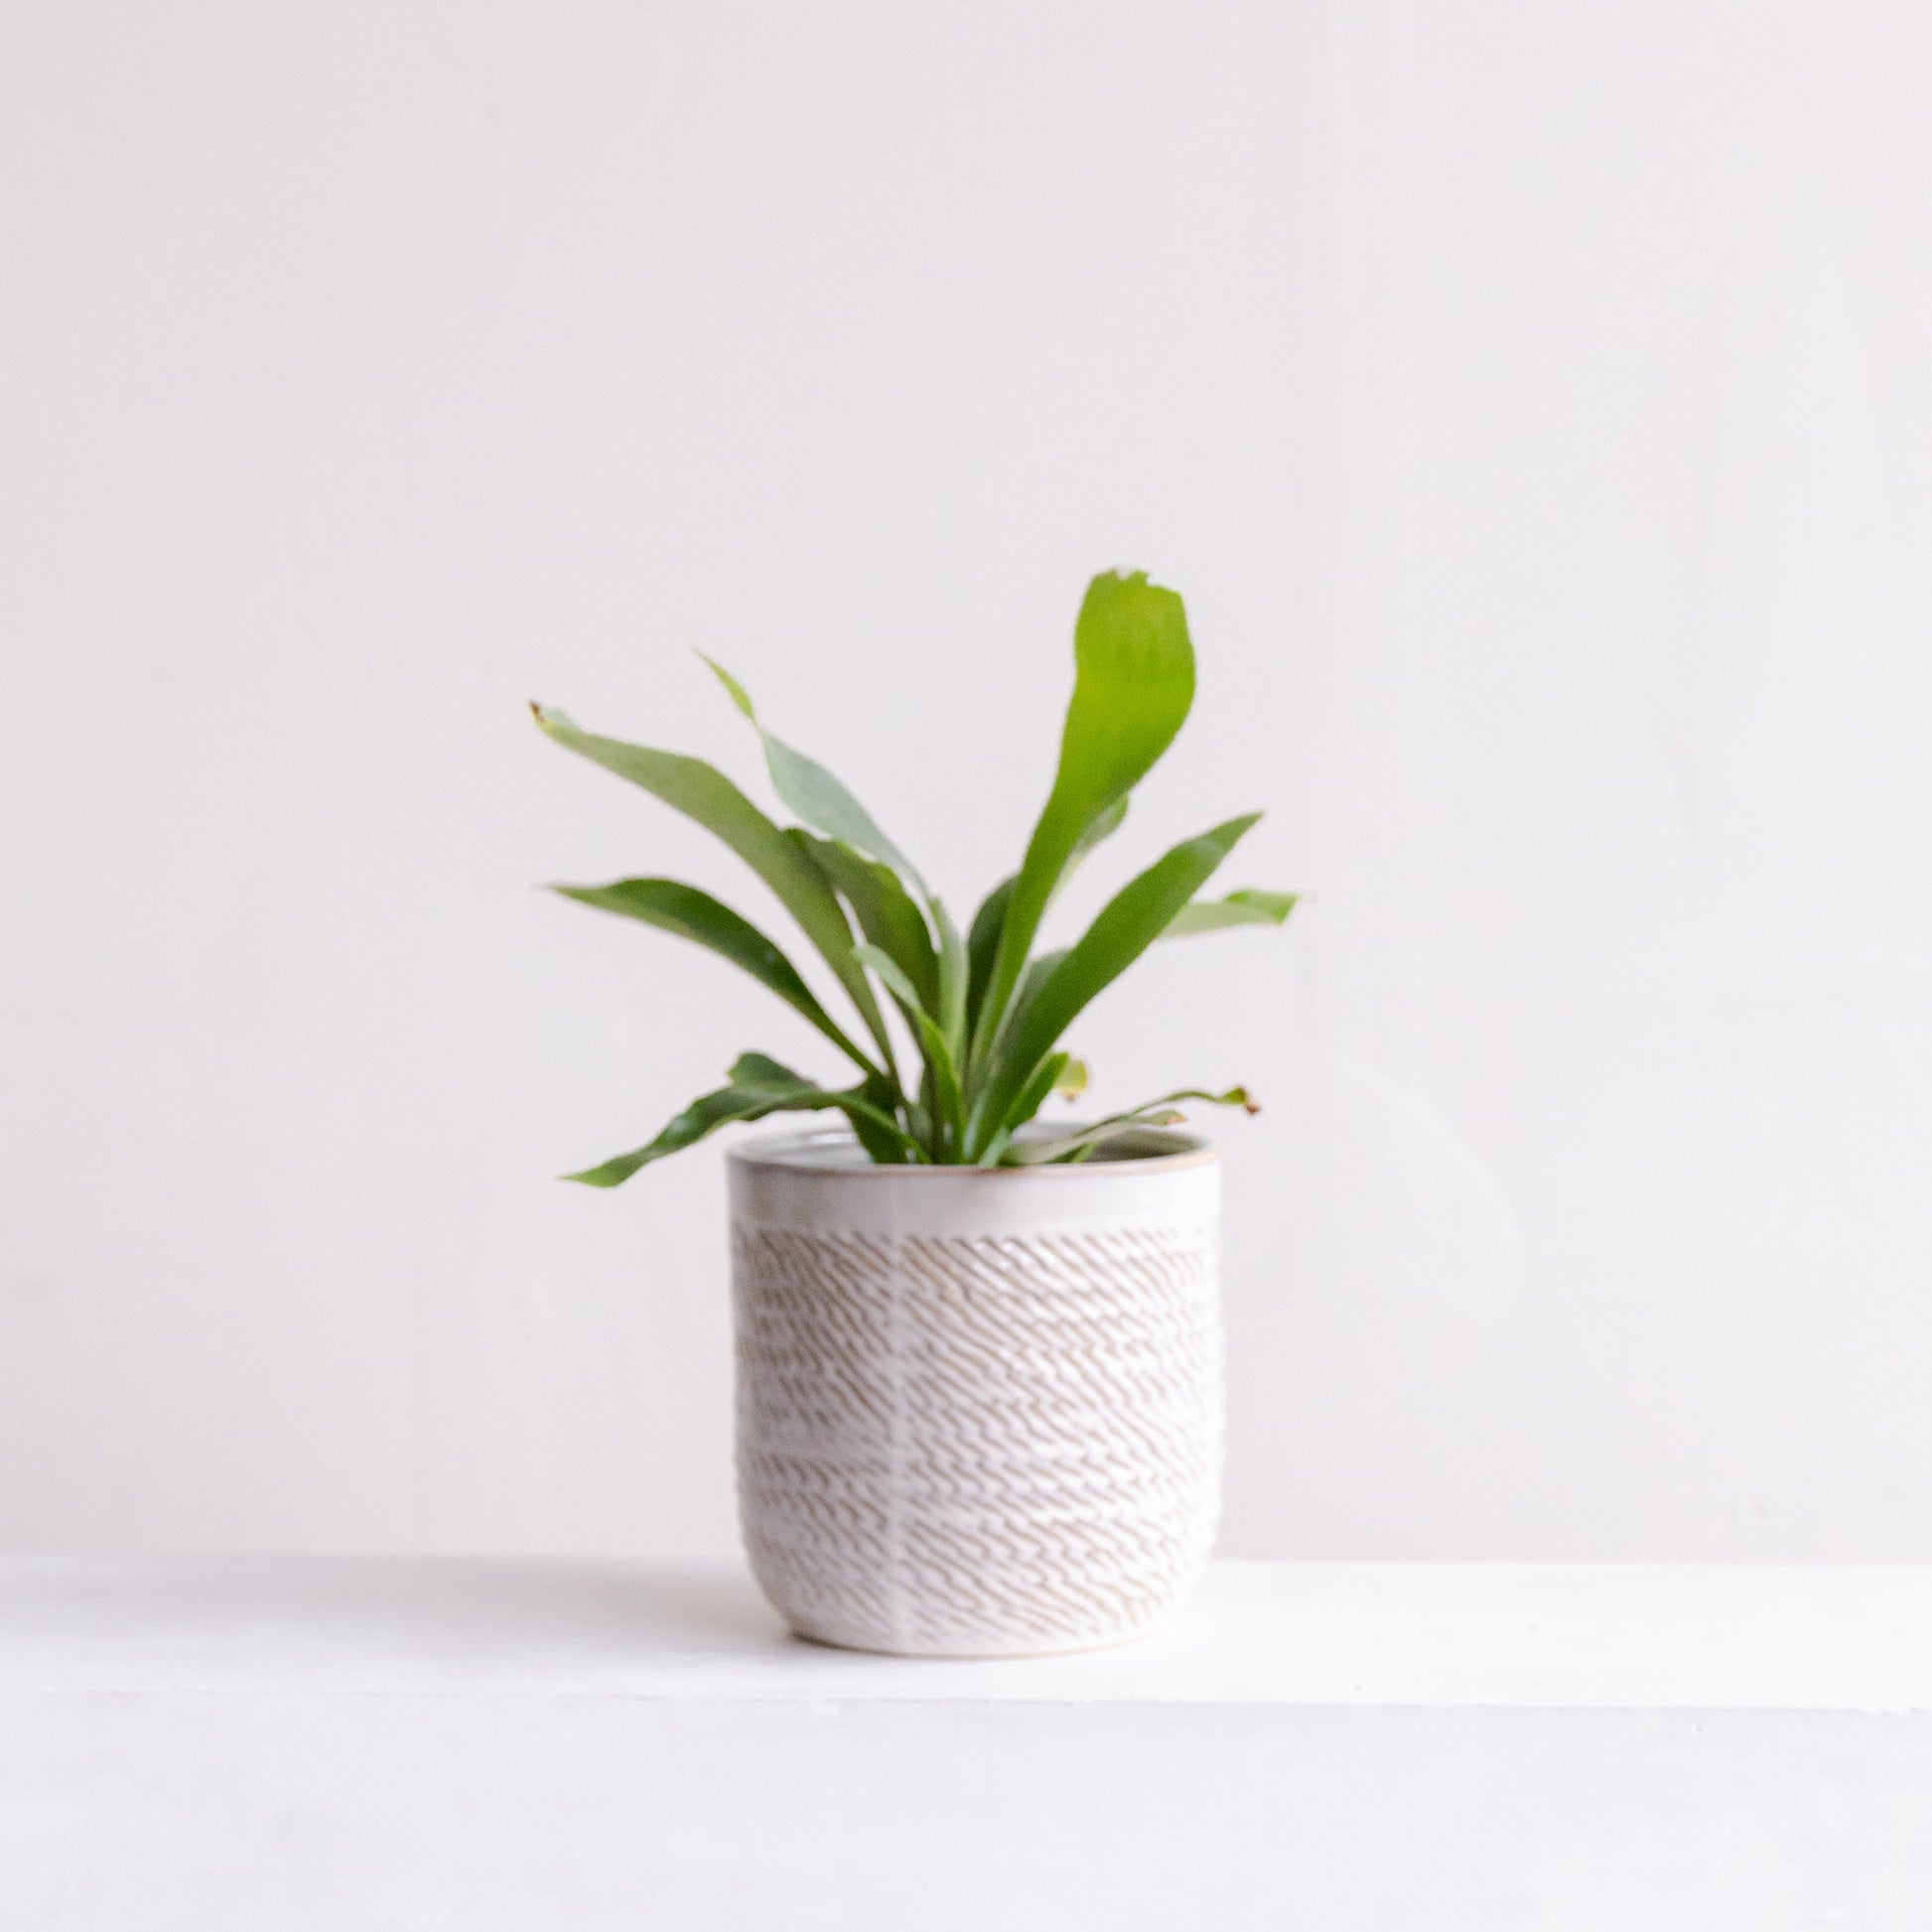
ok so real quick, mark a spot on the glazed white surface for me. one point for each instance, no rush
(1183, 1192)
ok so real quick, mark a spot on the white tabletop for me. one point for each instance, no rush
(1406, 1635)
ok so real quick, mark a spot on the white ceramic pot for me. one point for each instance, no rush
(979, 1411)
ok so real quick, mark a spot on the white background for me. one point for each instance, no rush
(1533, 403)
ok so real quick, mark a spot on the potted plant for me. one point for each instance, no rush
(979, 1379)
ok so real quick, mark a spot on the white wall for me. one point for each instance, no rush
(1531, 402)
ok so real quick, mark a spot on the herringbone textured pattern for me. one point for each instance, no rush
(971, 1447)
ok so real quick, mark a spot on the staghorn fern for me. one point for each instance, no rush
(978, 1053)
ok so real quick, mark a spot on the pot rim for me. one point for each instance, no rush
(790, 1153)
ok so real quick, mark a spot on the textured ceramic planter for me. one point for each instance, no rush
(979, 1412)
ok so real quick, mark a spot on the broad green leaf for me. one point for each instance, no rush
(1096, 1134)
(1033, 981)
(932, 1043)
(887, 913)
(692, 914)
(1039, 972)
(704, 794)
(1124, 928)
(916, 1112)
(875, 1120)
(1103, 828)
(1133, 685)
(1249, 907)
(1046, 1079)
(816, 795)
(762, 1070)
(953, 970)
(759, 1086)
(983, 944)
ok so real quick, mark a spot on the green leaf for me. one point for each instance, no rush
(1087, 1139)
(816, 795)
(953, 970)
(983, 944)
(875, 1120)
(1124, 928)
(886, 913)
(938, 1055)
(1033, 981)
(704, 794)
(1103, 828)
(1090, 1141)
(1133, 683)
(695, 915)
(1032, 1096)
(1249, 907)
(759, 1086)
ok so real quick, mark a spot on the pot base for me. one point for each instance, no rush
(1099, 1645)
